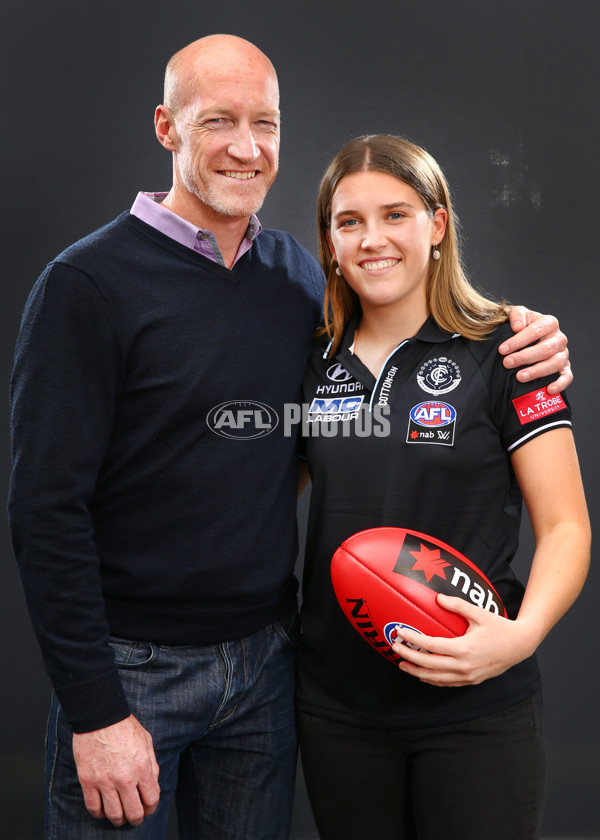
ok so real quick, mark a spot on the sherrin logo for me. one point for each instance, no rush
(242, 419)
(360, 618)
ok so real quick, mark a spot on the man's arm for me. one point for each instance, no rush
(63, 392)
(540, 345)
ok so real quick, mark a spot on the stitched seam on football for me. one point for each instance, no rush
(401, 594)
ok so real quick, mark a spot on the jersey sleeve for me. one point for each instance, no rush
(63, 392)
(525, 409)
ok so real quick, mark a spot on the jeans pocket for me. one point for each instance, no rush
(288, 627)
(132, 654)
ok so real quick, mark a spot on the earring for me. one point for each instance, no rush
(338, 271)
(435, 253)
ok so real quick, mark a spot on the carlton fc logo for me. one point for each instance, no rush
(438, 376)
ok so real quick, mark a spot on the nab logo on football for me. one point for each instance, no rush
(242, 420)
(446, 571)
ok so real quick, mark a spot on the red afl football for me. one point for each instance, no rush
(386, 578)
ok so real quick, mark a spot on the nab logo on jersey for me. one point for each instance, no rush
(431, 422)
(242, 419)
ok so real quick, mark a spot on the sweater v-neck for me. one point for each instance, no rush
(233, 275)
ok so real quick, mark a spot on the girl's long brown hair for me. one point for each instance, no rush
(454, 304)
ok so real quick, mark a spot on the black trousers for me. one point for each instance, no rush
(479, 780)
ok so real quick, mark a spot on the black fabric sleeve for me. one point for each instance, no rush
(524, 410)
(65, 384)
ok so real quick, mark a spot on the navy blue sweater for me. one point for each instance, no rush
(130, 516)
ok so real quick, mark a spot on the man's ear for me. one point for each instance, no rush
(164, 125)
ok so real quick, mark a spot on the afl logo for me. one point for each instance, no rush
(438, 376)
(390, 631)
(242, 419)
(433, 414)
(337, 373)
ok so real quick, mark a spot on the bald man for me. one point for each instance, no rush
(152, 501)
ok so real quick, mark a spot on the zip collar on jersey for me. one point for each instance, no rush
(430, 333)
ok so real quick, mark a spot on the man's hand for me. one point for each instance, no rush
(118, 772)
(545, 348)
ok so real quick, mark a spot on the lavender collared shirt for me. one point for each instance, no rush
(147, 207)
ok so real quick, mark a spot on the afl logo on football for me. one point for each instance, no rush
(242, 420)
(390, 631)
(438, 376)
(337, 373)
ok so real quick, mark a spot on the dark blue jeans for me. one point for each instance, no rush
(222, 722)
(483, 779)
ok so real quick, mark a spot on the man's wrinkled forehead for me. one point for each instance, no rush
(220, 63)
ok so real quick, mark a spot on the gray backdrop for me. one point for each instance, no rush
(503, 93)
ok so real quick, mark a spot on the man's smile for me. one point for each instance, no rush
(239, 176)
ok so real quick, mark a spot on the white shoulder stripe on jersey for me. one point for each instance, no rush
(537, 432)
(328, 348)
